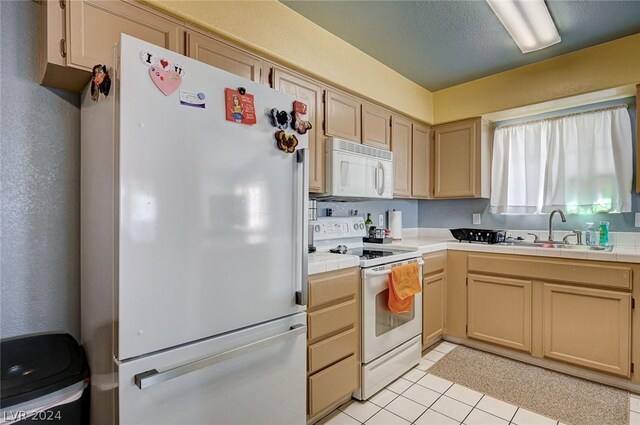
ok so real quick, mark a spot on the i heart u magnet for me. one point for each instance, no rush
(165, 75)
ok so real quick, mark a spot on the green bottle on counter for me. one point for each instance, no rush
(368, 222)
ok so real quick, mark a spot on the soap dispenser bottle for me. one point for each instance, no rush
(590, 235)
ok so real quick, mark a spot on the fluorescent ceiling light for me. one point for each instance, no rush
(528, 23)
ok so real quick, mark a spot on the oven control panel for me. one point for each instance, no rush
(338, 227)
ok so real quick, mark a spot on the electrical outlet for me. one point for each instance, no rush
(637, 219)
(381, 221)
(476, 218)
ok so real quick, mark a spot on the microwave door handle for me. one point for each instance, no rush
(375, 177)
(380, 184)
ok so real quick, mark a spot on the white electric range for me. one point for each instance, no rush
(391, 343)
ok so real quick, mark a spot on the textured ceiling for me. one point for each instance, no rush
(439, 44)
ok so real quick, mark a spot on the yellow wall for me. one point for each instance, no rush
(605, 66)
(273, 29)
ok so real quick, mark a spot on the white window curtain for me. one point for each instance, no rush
(581, 163)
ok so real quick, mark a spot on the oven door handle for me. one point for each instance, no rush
(377, 273)
(384, 272)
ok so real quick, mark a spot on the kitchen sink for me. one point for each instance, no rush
(558, 245)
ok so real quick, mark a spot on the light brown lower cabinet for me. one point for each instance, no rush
(588, 327)
(333, 340)
(433, 296)
(500, 311)
(332, 384)
(565, 312)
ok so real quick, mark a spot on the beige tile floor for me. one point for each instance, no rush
(423, 399)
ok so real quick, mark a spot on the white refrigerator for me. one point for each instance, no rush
(193, 238)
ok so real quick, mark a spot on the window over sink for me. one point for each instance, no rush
(581, 163)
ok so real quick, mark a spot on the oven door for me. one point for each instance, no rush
(382, 329)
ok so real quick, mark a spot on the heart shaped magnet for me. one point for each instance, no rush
(166, 81)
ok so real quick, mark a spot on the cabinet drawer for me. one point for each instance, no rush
(331, 350)
(581, 273)
(332, 319)
(434, 263)
(333, 286)
(332, 384)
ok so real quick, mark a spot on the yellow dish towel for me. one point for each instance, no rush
(404, 283)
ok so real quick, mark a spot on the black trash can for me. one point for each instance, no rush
(44, 378)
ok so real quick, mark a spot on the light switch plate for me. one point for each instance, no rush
(637, 219)
(476, 218)
(381, 220)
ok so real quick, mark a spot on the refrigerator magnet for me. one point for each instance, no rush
(299, 123)
(166, 76)
(195, 100)
(100, 82)
(286, 142)
(239, 107)
(280, 119)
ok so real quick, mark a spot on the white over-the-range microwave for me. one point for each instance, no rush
(358, 171)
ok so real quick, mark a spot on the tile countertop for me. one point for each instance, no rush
(320, 262)
(626, 254)
(433, 240)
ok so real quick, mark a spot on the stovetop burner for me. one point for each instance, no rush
(370, 254)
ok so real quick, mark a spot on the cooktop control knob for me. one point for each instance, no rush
(355, 226)
(361, 226)
(317, 228)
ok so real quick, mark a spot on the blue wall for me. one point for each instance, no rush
(458, 212)
(40, 226)
(408, 207)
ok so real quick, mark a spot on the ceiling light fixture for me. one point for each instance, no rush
(528, 23)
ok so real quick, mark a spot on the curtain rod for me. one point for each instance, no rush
(591, 111)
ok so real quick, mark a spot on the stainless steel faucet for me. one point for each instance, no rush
(564, 220)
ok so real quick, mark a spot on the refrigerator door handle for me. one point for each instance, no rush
(153, 377)
(303, 249)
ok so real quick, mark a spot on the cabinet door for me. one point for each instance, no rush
(342, 116)
(218, 54)
(500, 311)
(94, 27)
(376, 125)
(588, 327)
(433, 311)
(401, 148)
(311, 94)
(421, 162)
(456, 150)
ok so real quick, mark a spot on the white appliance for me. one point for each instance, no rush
(358, 171)
(194, 241)
(391, 343)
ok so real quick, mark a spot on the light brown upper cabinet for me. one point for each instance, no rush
(499, 311)
(216, 53)
(588, 327)
(342, 116)
(310, 93)
(401, 148)
(421, 160)
(85, 31)
(462, 159)
(376, 126)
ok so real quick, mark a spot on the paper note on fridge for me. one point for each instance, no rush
(197, 100)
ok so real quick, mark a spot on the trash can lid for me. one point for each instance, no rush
(34, 366)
